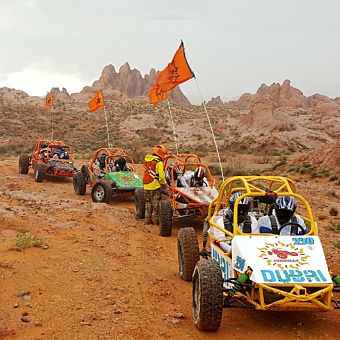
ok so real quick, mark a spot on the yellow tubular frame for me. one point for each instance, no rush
(297, 298)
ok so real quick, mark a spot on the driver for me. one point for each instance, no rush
(120, 165)
(246, 220)
(283, 213)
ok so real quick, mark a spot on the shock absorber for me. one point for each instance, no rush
(205, 234)
(238, 284)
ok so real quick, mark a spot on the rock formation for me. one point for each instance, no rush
(215, 101)
(130, 84)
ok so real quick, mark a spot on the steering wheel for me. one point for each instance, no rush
(292, 224)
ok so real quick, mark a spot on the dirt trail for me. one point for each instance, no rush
(105, 275)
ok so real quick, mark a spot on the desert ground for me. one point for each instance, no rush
(103, 274)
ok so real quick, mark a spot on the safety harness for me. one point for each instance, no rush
(275, 229)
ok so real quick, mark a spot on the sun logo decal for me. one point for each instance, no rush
(283, 255)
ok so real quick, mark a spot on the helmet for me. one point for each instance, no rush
(243, 205)
(160, 151)
(44, 145)
(284, 208)
(101, 160)
(199, 174)
(121, 162)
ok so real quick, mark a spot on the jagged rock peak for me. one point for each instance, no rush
(125, 68)
(215, 101)
(109, 69)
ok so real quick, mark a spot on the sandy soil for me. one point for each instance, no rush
(105, 275)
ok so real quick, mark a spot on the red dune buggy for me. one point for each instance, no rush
(49, 158)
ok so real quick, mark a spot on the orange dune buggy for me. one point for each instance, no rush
(49, 158)
(184, 202)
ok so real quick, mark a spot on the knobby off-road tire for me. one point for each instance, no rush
(101, 192)
(140, 203)
(165, 218)
(79, 183)
(39, 173)
(207, 295)
(24, 163)
(188, 252)
(85, 170)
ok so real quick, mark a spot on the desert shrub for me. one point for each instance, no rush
(332, 193)
(333, 211)
(324, 173)
(337, 243)
(335, 226)
(215, 169)
(314, 174)
(23, 241)
(303, 170)
(307, 165)
(202, 153)
(333, 178)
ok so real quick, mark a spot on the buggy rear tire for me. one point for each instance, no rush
(101, 192)
(39, 173)
(140, 203)
(165, 218)
(85, 170)
(188, 252)
(207, 295)
(24, 163)
(79, 183)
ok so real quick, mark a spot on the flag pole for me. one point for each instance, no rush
(107, 128)
(173, 126)
(52, 121)
(107, 125)
(211, 128)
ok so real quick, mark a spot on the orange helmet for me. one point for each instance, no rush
(160, 151)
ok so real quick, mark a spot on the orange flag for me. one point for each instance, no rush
(49, 101)
(156, 94)
(177, 72)
(97, 102)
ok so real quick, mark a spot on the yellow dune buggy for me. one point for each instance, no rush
(246, 269)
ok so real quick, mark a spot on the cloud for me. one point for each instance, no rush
(37, 83)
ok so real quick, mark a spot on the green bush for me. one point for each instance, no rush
(23, 241)
(335, 226)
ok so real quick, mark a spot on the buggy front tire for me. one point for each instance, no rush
(24, 163)
(140, 203)
(101, 192)
(207, 295)
(85, 170)
(39, 173)
(188, 252)
(79, 183)
(165, 218)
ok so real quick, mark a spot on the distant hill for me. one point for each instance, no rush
(277, 118)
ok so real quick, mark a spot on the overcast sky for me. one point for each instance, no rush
(232, 45)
